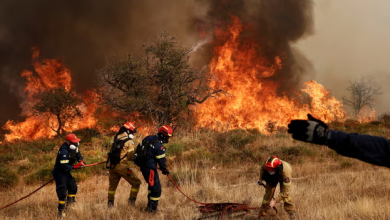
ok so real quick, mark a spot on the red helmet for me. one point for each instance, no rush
(130, 126)
(166, 130)
(72, 138)
(272, 164)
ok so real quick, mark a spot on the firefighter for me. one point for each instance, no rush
(66, 187)
(371, 149)
(276, 171)
(123, 168)
(155, 154)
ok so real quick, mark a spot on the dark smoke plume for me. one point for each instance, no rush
(274, 26)
(82, 33)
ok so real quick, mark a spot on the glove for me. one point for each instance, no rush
(80, 165)
(128, 171)
(312, 130)
(165, 172)
(260, 182)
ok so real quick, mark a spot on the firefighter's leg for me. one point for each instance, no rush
(72, 189)
(113, 179)
(61, 189)
(154, 188)
(155, 191)
(285, 194)
(132, 179)
(269, 193)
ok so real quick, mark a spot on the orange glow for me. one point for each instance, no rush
(253, 100)
(48, 74)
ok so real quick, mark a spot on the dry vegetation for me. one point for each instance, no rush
(218, 167)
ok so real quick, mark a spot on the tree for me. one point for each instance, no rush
(60, 103)
(160, 84)
(362, 93)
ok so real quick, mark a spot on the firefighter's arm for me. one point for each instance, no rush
(64, 161)
(130, 156)
(371, 149)
(261, 172)
(78, 156)
(161, 159)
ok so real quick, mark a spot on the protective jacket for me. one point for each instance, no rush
(155, 153)
(128, 148)
(283, 177)
(121, 170)
(66, 158)
(371, 149)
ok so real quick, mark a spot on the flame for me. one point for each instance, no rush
(49, 74)
(254, 101)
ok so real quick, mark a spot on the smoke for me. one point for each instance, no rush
(274, 26)
(350, 41)
(84, 33)
(81, 32)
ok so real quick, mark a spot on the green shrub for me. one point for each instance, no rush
(239, 138)
(176, 149)
(42, 175)
(345, 163)
(7, 157)
(86, 134)
(26, 168)
(8, 178)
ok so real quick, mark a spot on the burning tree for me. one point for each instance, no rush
(60, 103)
(161, 84)
(362, 94)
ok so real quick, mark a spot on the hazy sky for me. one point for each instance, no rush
(350, 40)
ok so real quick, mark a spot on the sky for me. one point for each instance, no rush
(350, 40)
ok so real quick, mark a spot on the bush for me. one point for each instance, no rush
(8, 178)
(176, 149)
(239, 138)
(42, 175)
(385, 118)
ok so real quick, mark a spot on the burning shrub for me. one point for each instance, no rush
(160, 85)
(61, 103)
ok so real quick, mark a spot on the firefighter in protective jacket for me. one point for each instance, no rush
(276, 171)
(66, 187)
(155, 154)
(124, 168)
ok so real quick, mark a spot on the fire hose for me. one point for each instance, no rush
(206, 208)
(88, 165)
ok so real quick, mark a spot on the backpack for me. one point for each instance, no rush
(140, 154)
(114, 156)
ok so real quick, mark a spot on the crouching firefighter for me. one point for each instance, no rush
(275, 171)
(66, 187)
(119, 163)
(149, 153)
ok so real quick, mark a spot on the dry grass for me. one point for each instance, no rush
(325, 186)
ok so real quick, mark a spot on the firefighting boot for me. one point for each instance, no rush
(110, 203)
(131, 201)
(61, 209)
(70, 200)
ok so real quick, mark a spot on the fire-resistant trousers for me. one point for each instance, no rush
(65, 186)
(120, 171)
(284, 196)
(154, 187)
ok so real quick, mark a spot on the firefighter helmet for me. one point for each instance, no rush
(272, 164)
(130, 126)
(166, 130)
(72, 138)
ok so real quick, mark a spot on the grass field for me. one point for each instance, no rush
(210, 167)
